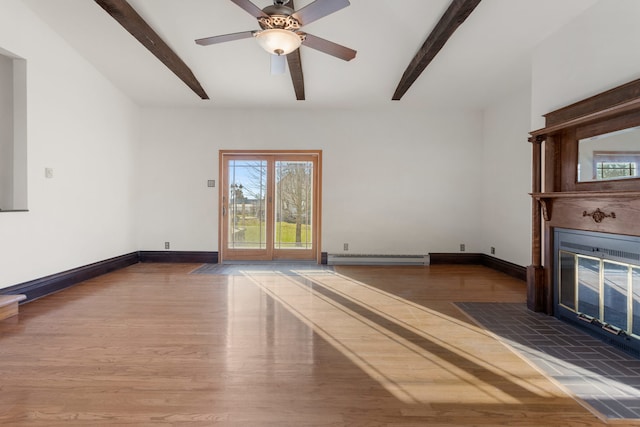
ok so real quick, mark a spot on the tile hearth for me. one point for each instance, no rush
(601, 376)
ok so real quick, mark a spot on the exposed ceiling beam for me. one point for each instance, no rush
(126, 15)
(456, 14)
(295, 67)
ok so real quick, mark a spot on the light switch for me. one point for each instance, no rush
(211, 183)
(48, 172)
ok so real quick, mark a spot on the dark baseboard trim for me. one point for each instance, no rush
(506, 267)
(38, 288)
(455, 258)
(47, 285)
(179, 256)
(513, 270)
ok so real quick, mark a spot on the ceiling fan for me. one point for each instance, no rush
(280, 29)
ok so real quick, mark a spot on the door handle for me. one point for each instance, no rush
(224, 210)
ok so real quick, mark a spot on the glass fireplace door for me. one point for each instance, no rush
(603, 292)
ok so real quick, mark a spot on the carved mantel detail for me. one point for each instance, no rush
(546, 209)
(599, 215)
(538, 139)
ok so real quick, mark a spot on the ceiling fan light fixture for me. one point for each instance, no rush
(278, 41)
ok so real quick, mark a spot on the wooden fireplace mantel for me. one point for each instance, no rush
(613, 212)
(558, 200)
(585, 194)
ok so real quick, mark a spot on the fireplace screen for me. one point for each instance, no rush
(599, 290)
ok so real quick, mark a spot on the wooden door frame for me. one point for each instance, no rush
(317, 196)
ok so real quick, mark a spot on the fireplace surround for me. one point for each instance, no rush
(573, 219)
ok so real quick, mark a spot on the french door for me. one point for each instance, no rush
(270, 204)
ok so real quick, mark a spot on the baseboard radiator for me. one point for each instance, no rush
(372, 259)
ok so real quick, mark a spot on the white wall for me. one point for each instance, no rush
(506, 213)
(394, 181)
(595, 52)
(82, 127)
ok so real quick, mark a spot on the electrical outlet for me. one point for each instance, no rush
(493, 250)
(211, 183)
(166, 245)
(346, 246)
(462, 247)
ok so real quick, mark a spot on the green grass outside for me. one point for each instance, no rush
(285, 231)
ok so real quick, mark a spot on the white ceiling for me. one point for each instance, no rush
(488, 55)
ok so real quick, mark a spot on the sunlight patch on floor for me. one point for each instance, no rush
(418, 354)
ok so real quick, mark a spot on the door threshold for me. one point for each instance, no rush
(274, 262)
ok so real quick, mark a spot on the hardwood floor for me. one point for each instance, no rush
(364, 346)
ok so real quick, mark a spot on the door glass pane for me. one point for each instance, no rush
(293, 205)
(615, 293)
(568, 280)
(635, 278)
(589, 286)
(246, 200)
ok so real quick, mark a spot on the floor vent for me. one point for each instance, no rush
(368, 259)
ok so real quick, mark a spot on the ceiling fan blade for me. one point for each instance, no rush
(278, 64)
(251, 8)
(294, 62)
(328, 47)
(224, 38)
(319, 9)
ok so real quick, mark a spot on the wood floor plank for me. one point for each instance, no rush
(364, 346)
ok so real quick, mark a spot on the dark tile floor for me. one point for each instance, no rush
(600, 375)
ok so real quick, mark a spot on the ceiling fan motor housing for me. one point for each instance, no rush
(278, 21)
(279, 17)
